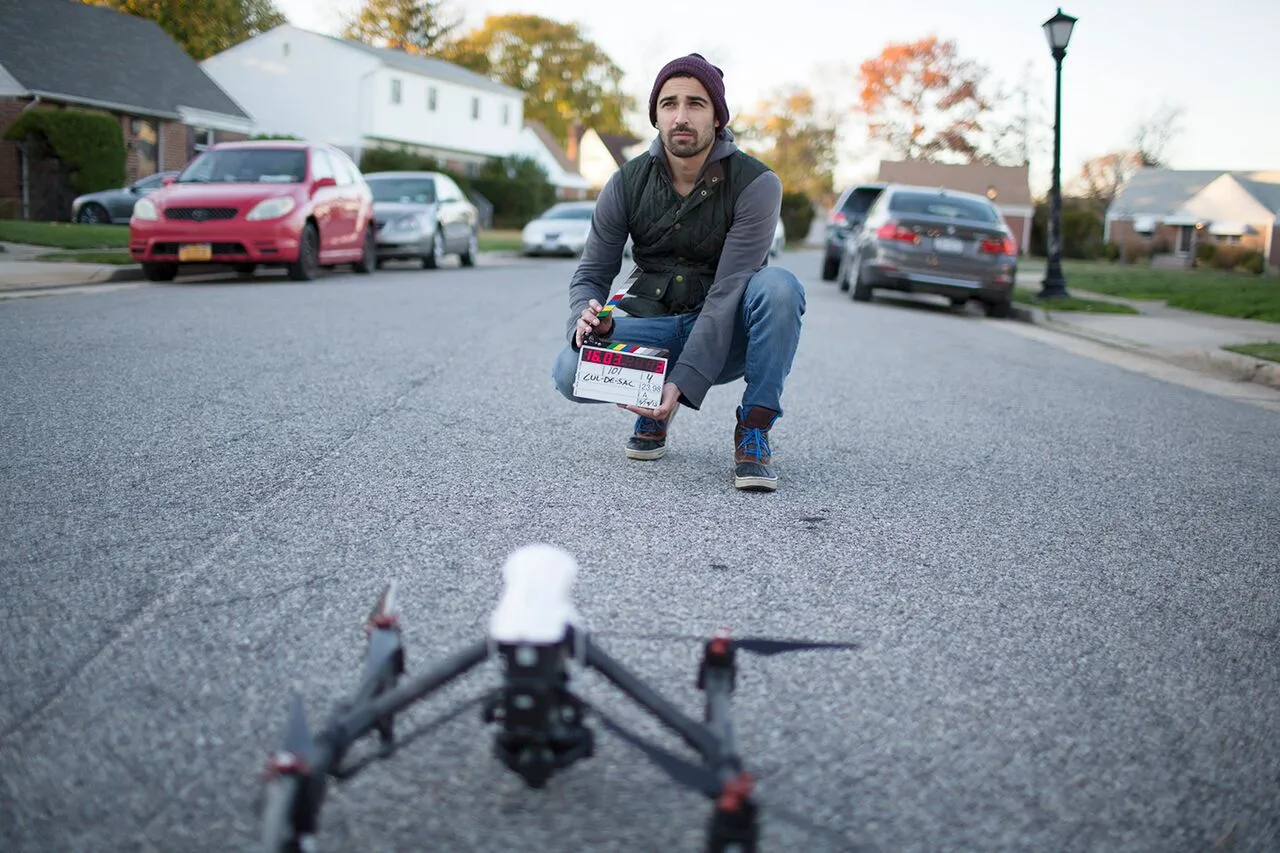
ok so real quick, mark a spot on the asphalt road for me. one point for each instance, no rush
(1062, 576)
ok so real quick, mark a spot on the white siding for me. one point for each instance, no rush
(8, 85)
(297, 83)
(451, 127)
(1225, 199)
(300, 83)
(595, 162)
(531, 146)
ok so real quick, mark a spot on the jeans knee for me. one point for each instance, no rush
(564, 371)
(777, 288)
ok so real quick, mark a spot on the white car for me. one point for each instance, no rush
(779, 241)
(561, 230)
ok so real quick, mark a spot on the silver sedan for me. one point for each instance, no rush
(937, 241)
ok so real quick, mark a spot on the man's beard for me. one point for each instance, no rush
(684, 148)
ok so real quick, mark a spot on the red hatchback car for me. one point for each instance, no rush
(299, 205)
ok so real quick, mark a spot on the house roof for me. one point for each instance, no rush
(426, 66)
(1010, 182)
(1160, 191)
(544, 136)
(617, 144)
(71, 51)
(1164, 192)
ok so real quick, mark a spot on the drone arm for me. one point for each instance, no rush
(364, 717)
(694, 734)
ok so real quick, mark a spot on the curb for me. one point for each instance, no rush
(115, 276)
(1233, 366)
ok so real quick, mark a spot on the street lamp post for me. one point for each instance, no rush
(1058, 31)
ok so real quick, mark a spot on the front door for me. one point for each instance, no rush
(1185, 234)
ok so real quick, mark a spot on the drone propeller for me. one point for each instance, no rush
(769, 646)
(679, 770)
(279, 802)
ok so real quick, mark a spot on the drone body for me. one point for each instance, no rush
(536, 633)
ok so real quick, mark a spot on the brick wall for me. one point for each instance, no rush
(1274, 261)
(175, 146)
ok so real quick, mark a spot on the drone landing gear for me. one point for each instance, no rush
(542, 728)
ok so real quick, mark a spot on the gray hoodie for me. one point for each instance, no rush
(745, 252)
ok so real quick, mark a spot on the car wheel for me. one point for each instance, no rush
(307, 266)
(861, 290)
(830, 266)
(468, 257)
(1000, 310)
(842, 272)
(435, 260)
(369, 259)
(93, 214)
(159, 272)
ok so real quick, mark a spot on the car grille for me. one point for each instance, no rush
(200, 214)
(218, 249)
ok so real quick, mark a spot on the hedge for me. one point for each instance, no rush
(90, 145)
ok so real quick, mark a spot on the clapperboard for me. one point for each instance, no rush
(619, 372)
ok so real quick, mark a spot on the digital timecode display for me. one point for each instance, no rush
(623, 359)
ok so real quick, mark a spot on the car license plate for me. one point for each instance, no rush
(951, 245)
(195, 252)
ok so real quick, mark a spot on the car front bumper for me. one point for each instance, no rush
(229, 241)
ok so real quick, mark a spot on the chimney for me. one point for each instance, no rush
(571, 147)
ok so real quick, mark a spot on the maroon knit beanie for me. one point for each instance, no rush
(696, 66)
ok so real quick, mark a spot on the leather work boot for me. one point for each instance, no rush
(752, 459)
(649, 438)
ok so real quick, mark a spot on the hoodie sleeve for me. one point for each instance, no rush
(602, 255)
(745, 252)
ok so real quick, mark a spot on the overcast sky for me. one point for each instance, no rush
(1218, 62)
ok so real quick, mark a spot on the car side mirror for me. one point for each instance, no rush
(168, 179)
(323, 183)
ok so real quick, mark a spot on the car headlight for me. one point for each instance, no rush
(408, 223)
(145, 208)
(272, 208)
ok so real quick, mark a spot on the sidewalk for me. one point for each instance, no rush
(1185, 338)
(20, 271)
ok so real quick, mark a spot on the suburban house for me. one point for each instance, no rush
(598, 155)
(1008, 187)
(356, 96)
(59, 54)
(1182, 208)
(537, 143)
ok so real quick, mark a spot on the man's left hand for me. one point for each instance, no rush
(670, 401)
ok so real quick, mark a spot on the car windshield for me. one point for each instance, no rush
(404, 190)
(947, 207)
(247, 166)
(568, 213)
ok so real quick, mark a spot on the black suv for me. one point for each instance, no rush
(849, 210)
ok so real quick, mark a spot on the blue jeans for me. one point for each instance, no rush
(765, 338)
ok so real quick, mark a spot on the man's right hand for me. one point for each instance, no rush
(589, 323)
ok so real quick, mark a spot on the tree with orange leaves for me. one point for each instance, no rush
(924, 101)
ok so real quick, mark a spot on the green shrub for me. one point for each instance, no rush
(1205, 253)
(396, 160)
(1111, 252)
(89, 144)
(518, 189)
(1135, 252)
(796, 215)
(1228, 257)
(1254, 263)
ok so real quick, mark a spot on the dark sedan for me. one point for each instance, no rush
(942, 242)
(112, 206)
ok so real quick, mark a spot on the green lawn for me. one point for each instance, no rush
(1269, 351)
(1229, 294)
(88, 257)
(500, 241)
(1027, 296)
(64, 235)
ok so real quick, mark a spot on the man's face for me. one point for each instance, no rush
(686, 118)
